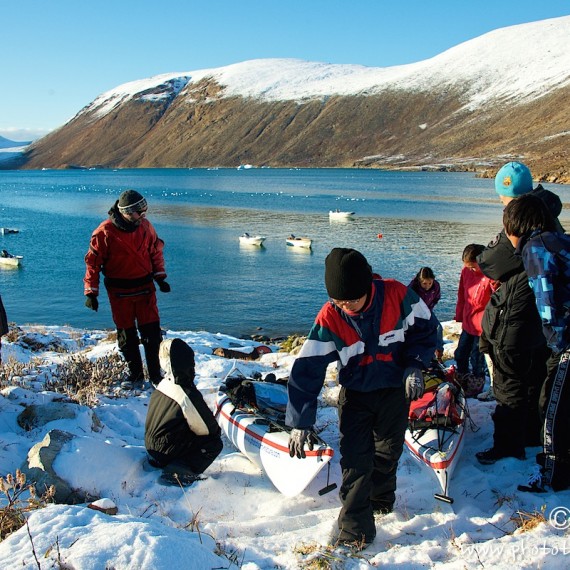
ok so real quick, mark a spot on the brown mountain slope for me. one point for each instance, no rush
(395, 129)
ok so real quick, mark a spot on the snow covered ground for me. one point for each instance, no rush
(235, 517)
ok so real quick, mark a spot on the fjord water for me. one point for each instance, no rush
(424, 218)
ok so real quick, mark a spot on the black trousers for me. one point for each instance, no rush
(517, 377)
(128, 342)
(537, 374)
(198, 453)
(372, 427)
(555, 405)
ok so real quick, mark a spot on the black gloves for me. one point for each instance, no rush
(163, 286)
(297, 440)
(91, 301)
(413, 383)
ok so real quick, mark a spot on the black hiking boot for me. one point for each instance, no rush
(178, 473)
(492, 455)
(133, 383)
(344, 540)
(381, 507)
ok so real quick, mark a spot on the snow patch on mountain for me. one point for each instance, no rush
(155, 89)
(523, 61)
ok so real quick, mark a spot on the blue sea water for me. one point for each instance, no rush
(218, 285)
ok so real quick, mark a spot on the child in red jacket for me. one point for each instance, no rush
(473, 295)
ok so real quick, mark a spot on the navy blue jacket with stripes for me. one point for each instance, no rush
(396, 330)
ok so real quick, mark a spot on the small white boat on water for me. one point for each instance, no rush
(340, 215)
(251, 413)
(246, 239)
(9, 260)
(299, 241)
(5, 231)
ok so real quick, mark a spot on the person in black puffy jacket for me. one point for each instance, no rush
(545, 254)
(512, 330)
(512, 336)
(181, 433)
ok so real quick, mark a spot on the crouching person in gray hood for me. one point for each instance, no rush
(181, 434)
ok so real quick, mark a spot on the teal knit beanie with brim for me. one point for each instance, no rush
(513, 180)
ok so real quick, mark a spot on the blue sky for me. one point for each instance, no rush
(58, 55)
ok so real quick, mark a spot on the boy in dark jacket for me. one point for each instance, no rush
(512, 330)
(512, 336)
(546, 256)
(382, 334)
(181, 433)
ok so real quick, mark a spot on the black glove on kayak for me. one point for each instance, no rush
(91, 301)
(297, 440)
(163, 286)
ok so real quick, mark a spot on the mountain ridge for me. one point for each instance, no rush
(501, 96)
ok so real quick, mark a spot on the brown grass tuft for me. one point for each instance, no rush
(20, 499)
(82, 379)
(525, 521)
(14, 372)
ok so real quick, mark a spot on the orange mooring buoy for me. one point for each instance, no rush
(380, 236)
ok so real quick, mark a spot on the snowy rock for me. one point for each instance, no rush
(39, 415)
(39, 468)
(106, 506)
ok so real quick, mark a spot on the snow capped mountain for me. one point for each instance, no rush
(519, 61)
(502, 95)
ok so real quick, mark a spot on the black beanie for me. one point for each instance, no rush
(131, 201)
(347, 274)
